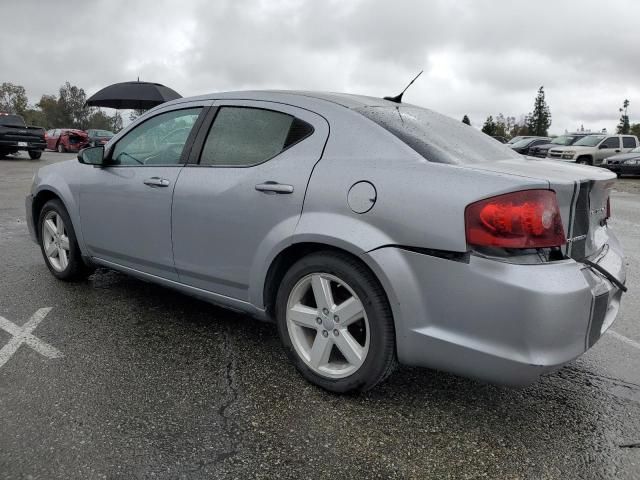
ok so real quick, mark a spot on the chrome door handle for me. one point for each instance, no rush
(274, 187)
(157, 182)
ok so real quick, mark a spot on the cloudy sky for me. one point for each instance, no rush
(480, 57)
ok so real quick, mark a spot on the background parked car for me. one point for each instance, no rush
(67, 140)
(542, 150)
(524, 145)
(593, 149)
(99, 137)
(624, 163)
(500, 139)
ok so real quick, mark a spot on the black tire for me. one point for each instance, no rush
(584, 161)
(35, 154)
(76, 268)
(381, 357)
(60, 148)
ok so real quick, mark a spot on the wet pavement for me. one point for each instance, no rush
(154, 384)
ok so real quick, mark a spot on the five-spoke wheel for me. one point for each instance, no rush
(335, 322)
(58, 243)
(328, 325)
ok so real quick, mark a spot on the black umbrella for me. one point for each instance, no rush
(132, 95)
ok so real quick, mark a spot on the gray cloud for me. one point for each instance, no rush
(479, 57)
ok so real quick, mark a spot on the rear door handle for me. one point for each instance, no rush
(274, 187)
(157, 182)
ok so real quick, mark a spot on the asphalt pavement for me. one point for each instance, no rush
(125, 379)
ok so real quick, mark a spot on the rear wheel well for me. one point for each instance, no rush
(38, 202)
(285, 259)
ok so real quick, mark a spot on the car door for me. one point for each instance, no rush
(125, 207)
(52, 140)
(608, 147)
(243, 193)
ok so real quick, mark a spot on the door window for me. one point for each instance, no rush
(158, 141)
(244, 136)
(628, 142)
(611, 142)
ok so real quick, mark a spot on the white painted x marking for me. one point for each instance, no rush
(23, 335)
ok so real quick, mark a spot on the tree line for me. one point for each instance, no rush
(67, 109)
(538, 121)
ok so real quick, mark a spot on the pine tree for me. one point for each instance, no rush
(501, 126)
(466, 120)
(623, 126)
(539, 121)
(489, 126)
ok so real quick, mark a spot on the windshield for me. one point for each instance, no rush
(589, 141)
(102, 133)
(563, 140)
(522, 143)
(12, 120)
(436, 137)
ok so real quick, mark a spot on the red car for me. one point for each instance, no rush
(66, 140)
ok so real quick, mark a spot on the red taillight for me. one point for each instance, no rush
(526, 219)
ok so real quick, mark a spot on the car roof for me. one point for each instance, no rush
(347, 100)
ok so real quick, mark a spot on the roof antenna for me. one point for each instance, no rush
(398, 98)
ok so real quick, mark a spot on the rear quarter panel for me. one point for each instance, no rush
(418, 203)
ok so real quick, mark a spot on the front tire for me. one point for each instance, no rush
(584, 161)
(58, 243)
(35, 154)
(335, 323)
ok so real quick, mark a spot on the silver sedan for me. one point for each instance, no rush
(371, 232)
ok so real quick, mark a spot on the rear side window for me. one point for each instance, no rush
(438, 138)
(628, 142)
(611, 142)
(245, 136)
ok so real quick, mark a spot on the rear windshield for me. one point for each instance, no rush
(564, 140)
(12, 120)
(436, 137)
(589, 141)
(522, 143)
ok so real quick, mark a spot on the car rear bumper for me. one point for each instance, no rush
(497, 321)
(16, 145)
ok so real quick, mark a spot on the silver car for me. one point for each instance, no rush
(372, 233)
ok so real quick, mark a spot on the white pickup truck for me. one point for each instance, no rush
(593, 149)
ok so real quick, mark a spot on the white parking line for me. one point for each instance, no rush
(624, 339)
(23, 335)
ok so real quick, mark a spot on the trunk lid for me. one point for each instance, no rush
(582, 194)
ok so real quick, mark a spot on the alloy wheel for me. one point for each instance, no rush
(55, 241)
(327, 325)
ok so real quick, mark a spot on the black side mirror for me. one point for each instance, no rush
(92, 156)
(603, 146)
